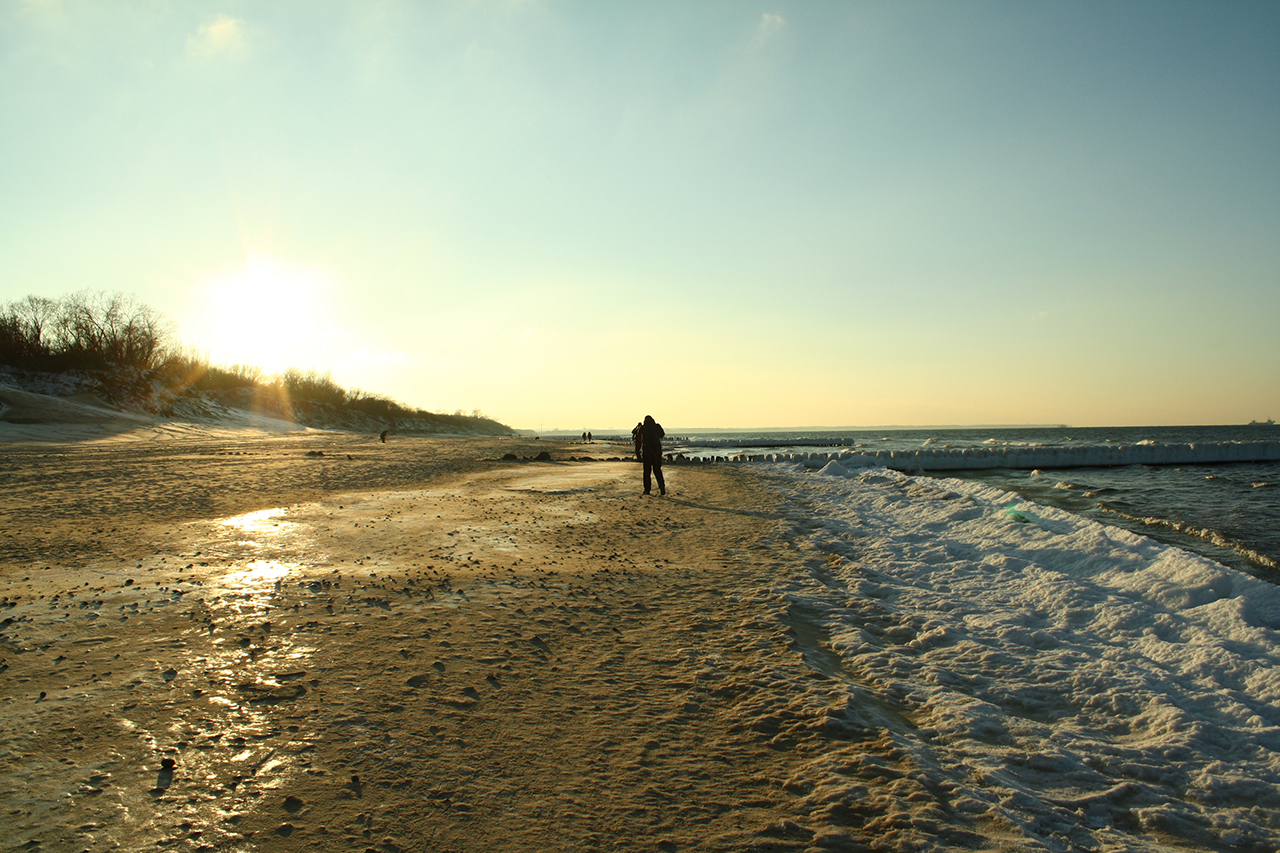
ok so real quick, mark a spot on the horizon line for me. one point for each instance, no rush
(626, 430)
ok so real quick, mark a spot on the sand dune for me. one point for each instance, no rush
(32, 417)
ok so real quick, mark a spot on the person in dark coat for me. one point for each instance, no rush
(635, 438)
(651, 435)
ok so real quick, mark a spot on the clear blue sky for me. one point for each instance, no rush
(570, 214)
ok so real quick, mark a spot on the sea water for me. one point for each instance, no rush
(1229, 512)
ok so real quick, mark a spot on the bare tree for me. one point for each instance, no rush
(28, 329)
(103, 329)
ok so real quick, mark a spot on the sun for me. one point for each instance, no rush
(268, 314)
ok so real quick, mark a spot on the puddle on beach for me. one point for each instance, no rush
(260, 573)
(256, 521)
(267, 524)
(213, 688)
(262, 546)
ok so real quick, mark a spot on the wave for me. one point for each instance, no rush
(1205, 534)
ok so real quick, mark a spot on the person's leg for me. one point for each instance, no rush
(657, 471)
(647, 467)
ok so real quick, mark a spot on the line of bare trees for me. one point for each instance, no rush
(99, 331)
(85, 331)
(321, 388)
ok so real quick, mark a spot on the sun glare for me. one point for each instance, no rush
(267, 314)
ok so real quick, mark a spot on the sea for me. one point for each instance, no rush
(1228, 512)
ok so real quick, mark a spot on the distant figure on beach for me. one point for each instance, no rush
(635, 438)
(651, 434)
(584, 438)
(589, 438)
(384, 435)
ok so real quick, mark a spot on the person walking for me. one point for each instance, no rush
(651, 435)
(635, 437)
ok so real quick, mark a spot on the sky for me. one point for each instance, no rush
(725, 214)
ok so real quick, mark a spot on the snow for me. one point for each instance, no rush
(1067, 684)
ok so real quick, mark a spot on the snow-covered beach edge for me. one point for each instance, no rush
(1087, 685)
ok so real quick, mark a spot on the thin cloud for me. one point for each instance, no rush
(225, 36)
(46, 13)
(769, 26)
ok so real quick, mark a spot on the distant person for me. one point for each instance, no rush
(635, 438)
(589, 438)
(651, 435)
(384, 435)
(584, 438)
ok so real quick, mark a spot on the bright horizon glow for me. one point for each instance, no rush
(573, 213)
(266, 314)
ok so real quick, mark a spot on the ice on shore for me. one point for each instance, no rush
(1059, 682)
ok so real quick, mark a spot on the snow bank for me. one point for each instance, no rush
(1056, 682)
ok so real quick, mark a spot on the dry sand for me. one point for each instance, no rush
(409, 646)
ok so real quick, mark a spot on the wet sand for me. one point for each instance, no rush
(243, 645)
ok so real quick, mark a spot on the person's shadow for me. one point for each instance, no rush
(750, 513)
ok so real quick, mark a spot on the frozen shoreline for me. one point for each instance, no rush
(1192, 487)
(1084, 684)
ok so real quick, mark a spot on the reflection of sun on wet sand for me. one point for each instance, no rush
(399, 647)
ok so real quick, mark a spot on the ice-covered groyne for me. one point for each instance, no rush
(1025, 457)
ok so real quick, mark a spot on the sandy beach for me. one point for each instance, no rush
(237, 643)
(240, 640)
